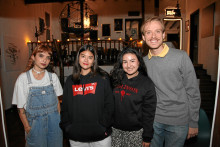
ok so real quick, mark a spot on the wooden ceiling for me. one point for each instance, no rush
(47, 1)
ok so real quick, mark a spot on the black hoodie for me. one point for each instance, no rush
(135, 105)
(87, 108)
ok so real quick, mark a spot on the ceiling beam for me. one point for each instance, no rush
(47, 1)
(143, 10)
(156, 7)
(172, 26)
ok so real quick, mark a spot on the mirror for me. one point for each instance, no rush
(173, 30)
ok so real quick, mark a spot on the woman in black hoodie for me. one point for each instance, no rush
(87, 106)
(135, 101)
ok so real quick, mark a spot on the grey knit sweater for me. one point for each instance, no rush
(178, 95)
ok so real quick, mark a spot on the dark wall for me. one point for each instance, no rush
(45, 1)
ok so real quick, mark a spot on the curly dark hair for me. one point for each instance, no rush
(94, 69)
(117, 73)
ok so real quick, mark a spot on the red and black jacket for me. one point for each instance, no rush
(135, 105)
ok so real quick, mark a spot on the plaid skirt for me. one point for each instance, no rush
(126, 138)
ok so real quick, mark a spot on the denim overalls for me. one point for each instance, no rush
(43, 116)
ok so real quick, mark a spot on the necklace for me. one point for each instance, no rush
(38, 72)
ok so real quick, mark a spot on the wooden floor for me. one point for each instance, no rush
(16, 137)
(15, 130)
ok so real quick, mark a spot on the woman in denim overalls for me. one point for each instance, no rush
(35, 95)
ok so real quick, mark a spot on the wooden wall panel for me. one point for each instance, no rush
(208, 21)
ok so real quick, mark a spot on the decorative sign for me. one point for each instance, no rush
(171, 12)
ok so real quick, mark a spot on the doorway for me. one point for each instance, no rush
(173, 29)
(194, 36)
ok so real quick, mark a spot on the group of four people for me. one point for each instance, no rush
(151, 101)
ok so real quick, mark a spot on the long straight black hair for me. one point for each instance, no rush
(94, 69)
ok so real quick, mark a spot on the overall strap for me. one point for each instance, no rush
(28, 77)
(50, 76)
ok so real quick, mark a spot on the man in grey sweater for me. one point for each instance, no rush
(178, 95)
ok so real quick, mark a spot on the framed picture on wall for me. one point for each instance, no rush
(118, 25)
(41, 25)
(132, 28)
(93, 20)
(47, 19)
(106, 31)
(47, 34)
(11, 53)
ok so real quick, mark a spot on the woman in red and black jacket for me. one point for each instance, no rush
(135, 101)
(87, 107)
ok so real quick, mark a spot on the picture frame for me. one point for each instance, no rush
(187, 25)
(106, 31)
(47, 19)
(118, 25)
(93, 20)
(11, 53)
(41, 24)
(132, 28)
(47, 34)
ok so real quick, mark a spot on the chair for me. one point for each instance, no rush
(203, 138)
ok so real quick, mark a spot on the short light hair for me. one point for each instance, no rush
(154, 18)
